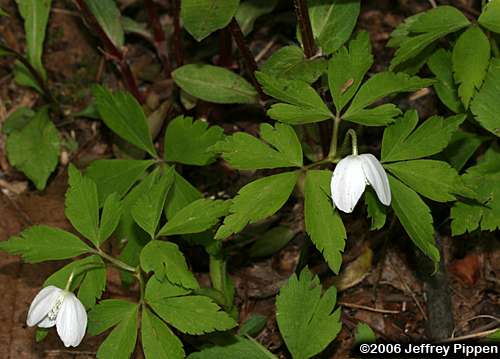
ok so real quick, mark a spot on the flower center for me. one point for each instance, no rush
(52, 315)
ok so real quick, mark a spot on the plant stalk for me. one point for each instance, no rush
(159, 37)
(304, 21)
(335, 137)
(116, 262)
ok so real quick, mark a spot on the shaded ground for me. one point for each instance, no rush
(378, 285)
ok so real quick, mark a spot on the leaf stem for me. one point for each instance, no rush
(335, 137)
(305, 27)
(116, 262)
(140, 278)
(354, 141)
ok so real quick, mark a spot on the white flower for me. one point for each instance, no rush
(350, 177)
(54, 306)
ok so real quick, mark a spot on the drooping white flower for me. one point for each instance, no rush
(55, 306)
(350, 177)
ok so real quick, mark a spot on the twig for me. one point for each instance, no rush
(250, 63)
(159, 37)
(111, 51)
(305, 27)
(370, 309)
(471, 336)
(178, 48)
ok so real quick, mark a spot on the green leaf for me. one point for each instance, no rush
(168, 262)
(290, 63)
(34, 150)
(441, 66)
(92, 286)
(332, 22)
(17, 120)
(202, 17)
(376, 210)
(381, 85)
(461, 148)
(402, 141)
(436, 180)
(109, 18)
(43, 243)
(417, 32)
(3, 12)
(490, 17)
(187, 141)
(258, 200)
(157, 289)
(24, 77)
(364, 334)
(116, 176)
(122, 340)
(238, 347)
(271, 241)
(379, 116)
(111, 214)
(36, 16)
(323, 223)
(79, 268)
(180, 195)
(109, 313)
(148, 208)
(192, 314)
(158, 341)
(415, 217)
(82, 206)
(485, 105)
(286, 150)
(470, 58)
(253, 325)
(121, 112)
(196, 217)
(304, 105)
(214, 84)
(249, 10)
(347, 68)
(300, 308)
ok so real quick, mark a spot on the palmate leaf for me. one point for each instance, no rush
(490, 17)
(300, 308)
(323, 223)
(441, 66)
(110, 218)
(286, 150)
(109, 313)
(258, 200)
(238, 347)
(158, 341)
(158, 289)
(470, 58)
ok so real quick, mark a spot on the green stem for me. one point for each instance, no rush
(142, 287)
(116, 262)
(68, 283)
(335, 137)
(354, 141)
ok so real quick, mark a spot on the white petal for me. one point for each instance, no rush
(41, 305)
(71, 321)
(348, 183)
(377, 178)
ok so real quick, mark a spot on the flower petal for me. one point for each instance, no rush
(41, 306)
(376, 176)
(348, 183)
(71, 321)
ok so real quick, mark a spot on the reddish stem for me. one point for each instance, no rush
(178, 48)
(305, 27)
(159, 37)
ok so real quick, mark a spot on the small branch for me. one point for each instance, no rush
(111, 51)
(250, 63)
(159, 37)
(370, 309)
(178, 47)
(305, 27)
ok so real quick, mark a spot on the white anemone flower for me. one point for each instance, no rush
(350, 177)
(55, 306)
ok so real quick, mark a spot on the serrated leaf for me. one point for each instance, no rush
(323, 223)
(470, 58)
(238, 347)
(271, 241)
(148, 208)
(35, 148)
(415, 217)
(485, 105)
(402, 141)
(116, 176)
(347, 68)
(111, 214)
(121, 112)
(192, 314)
(303, 104)
(196, 217)
(180, 195)
(214, 84)
(257, 200)
(332, 22)
(381, 85)
(168, 262)
(250, 10)
(187, 141)
(490, 16)
(379, 116)
(202, 17)
(286, 150)
(300, 308)
(376, 210)
(436, 180)
(157, 289)
(364, 334)
(43, 243)
(81, 205)
(109, 18)
(290, 63)
(441, 66)
(158, 341)
(121, 342)
(417, 32)
(36, 15)
(109, 313)
(461, 148)
(92, 286)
